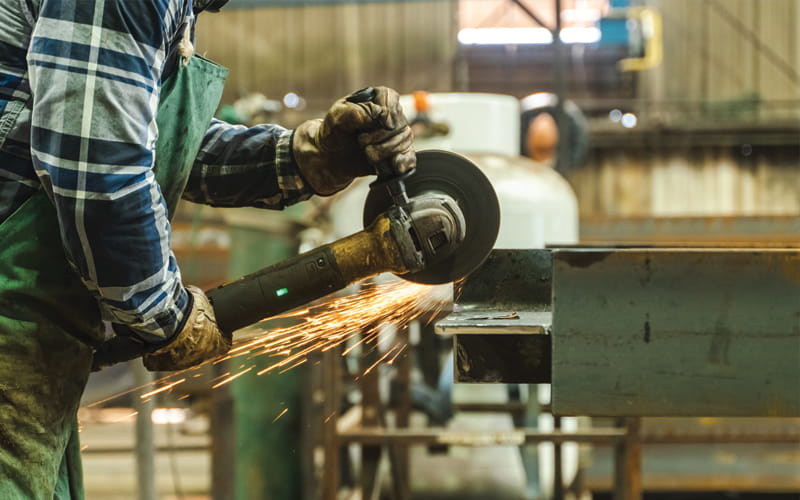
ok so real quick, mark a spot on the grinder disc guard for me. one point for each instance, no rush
(457, 177)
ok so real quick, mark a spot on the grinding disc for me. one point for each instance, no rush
(459, 178)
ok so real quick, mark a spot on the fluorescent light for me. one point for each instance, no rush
(580, 35)
(525, 36)
(502, 36)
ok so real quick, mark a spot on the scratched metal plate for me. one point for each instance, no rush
(676, 332)
(501, 321)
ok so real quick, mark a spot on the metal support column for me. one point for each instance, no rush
(558, 463)
(560, 89)
(370, 417)
(223, 440)
(330, 396)
(399, 452)
(628, 461)
(145, 447)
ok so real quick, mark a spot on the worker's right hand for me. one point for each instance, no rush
(354, 137)
(200, 339)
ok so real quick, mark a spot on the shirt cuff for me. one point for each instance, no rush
(290, 182)
(161, 329)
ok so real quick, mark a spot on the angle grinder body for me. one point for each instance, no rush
(433, 226)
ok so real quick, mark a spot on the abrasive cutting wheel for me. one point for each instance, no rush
(457, 177)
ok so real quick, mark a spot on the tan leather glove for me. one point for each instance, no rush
(352, 139)
(200, 339)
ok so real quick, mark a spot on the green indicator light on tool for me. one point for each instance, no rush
(281, 292)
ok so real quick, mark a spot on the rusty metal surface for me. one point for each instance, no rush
(676, 332)
(509, 293)
(510, 280)
(502, 319)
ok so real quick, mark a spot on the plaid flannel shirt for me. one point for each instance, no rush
(79, 90)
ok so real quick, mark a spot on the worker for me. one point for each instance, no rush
(105, 121)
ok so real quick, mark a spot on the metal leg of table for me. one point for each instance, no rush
(370, 417)
(628, 461)
(558, 463)
(330, 440)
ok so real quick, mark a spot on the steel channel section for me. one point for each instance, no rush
(676, 332)
(501, 323)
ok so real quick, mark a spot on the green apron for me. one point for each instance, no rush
(49, 321)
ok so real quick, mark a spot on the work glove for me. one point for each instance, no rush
(198, 341)
(361, 132)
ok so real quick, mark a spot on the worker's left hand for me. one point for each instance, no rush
(352, 140)
(200, 339)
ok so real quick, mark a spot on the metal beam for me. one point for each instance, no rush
(676, 332)
(378, 436)
(607, 436)
(500, 329)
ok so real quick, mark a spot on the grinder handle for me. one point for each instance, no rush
(276, 289)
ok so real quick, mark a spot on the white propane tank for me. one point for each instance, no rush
(537, 205)
(478, 123)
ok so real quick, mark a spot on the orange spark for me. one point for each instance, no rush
(285, 410)
(400, 351)
(162, 389)
(232, 377)
(322, 327)
(340, 319)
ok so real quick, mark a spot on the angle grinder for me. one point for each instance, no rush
(432, 226)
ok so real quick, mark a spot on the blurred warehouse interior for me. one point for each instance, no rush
(649, 125)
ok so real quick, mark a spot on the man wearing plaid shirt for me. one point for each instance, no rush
(80, 84)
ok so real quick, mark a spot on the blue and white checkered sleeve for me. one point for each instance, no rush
(95, 69)
(239, 166)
